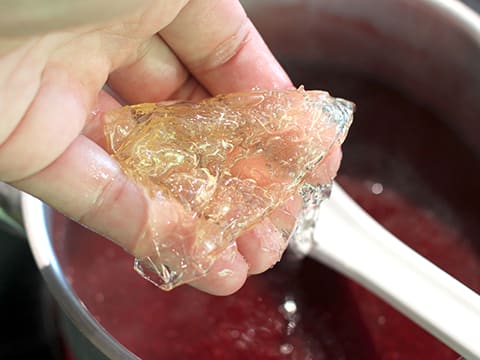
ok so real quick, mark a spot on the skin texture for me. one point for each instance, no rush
(52, 101)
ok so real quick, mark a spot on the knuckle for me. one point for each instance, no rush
(107, 195)
(226, 50)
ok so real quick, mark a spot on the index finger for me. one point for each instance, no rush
(222, 48)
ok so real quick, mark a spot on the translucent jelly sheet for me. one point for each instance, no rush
(230, 161)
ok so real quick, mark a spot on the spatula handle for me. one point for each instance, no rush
(352, 242)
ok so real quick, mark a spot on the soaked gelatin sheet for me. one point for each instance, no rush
(230, 161)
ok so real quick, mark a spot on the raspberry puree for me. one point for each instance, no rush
(401, 164)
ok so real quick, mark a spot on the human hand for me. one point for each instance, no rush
(52, 103)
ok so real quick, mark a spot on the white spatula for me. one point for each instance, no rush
(350, 241)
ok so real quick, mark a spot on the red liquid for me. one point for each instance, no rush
(429, 200)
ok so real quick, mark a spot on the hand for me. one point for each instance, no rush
(52, 99)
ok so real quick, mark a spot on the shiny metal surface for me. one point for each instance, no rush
(36, 218)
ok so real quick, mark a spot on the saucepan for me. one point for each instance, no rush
(411, 160)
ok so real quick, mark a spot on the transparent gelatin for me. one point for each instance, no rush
(230, 161)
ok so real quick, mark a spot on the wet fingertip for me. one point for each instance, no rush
(332, 162)
(262, 247)
(226, 276)
(327, 169)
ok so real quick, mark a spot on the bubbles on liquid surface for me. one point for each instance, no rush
(286, 349)
(377, 188)
(290, 312)
(230, 161)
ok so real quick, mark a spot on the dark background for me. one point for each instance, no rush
(27, 317)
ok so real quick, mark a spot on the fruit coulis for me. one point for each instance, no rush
(401, 163)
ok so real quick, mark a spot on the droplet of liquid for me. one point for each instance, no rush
(286, 349)
(289, 311)
(290, 306)
(302, 237)
(377, 188)
(225, 273)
